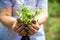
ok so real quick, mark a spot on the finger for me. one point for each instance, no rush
(23, 33)
(15, 27)
(19, 29)
(30, 33)
(32, 29)
(35, 26)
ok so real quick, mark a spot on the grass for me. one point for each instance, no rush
(52, 28)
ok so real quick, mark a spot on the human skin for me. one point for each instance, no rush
(9, 21)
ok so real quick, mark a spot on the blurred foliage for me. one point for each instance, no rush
(54, 9)
(52, 26)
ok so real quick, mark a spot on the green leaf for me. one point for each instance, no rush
(17, 12)
(26, 14)
(21, 6)
(37, 11)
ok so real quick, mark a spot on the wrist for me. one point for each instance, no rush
(42, 18)
(1, 18)
(7, 21)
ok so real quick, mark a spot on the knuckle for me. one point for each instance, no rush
(38, 28)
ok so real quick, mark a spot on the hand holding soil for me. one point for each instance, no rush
(24, 25)
(25, 29)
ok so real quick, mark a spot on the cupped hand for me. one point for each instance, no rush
(18, 27)
(33, 28)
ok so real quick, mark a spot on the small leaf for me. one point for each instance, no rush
(21, 6)
(37, 11)
(17, 12)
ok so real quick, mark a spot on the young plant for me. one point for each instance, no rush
(26, 15)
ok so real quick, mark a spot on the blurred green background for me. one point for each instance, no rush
(52, 26)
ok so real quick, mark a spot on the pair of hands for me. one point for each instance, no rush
(20, 29)
(18, 26)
